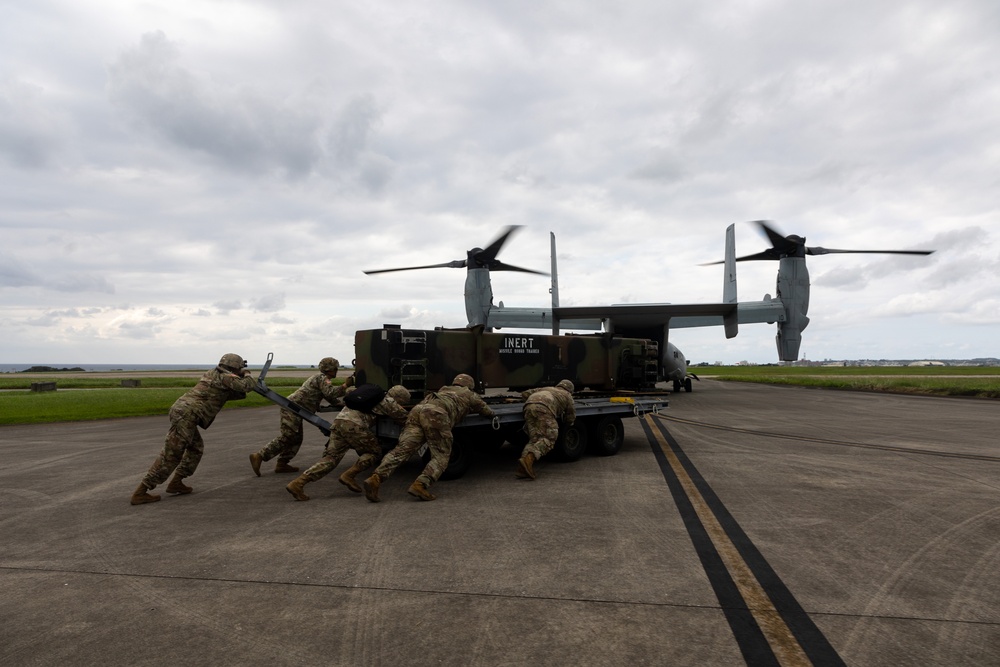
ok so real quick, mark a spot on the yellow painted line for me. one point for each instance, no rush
(786, 647)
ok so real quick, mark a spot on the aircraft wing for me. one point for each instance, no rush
(645, 315)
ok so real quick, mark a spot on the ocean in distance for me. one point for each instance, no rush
(111, 368)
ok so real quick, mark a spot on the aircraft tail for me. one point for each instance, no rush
(554, 290)
(731, 321)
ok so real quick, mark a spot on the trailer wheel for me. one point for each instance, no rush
(492, 440)
(572, 442)
(607, 436)
(517, 437)
(462, 453)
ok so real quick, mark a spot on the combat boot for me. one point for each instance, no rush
(371, 487)
(140, 495)
(419, 490)
(177, 486)
(525, 467)
(347, 478)
(282, 466)
(255, 460)
(295, 487)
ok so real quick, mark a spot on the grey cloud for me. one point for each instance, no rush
(237, 126)
(665, 166)
(81, 283)
(137, 330)
(354, 124)
(396, 313)
(46, 320)
(269, 303)
(956, 260)
(225, 307)
(75, 312)
(15, 273)
(30, 134)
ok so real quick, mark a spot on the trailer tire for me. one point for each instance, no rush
(607, 436)
(572, 442)
(517, 437)
(460, 460)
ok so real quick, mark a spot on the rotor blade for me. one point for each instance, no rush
(776, 238)
(456, 264)
(489, 253)
(768, 254)
(827, 251)
(500, 266)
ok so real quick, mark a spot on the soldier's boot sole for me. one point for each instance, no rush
(178, 488)
(418, 490)
(255, 461)
(295, 487)
(525, 467)
(371, 487)
(347, 479)
(141, 496)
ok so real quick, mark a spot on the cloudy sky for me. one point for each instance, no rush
(183, 179)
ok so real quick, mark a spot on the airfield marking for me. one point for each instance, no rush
(825, 441)
(778, 634)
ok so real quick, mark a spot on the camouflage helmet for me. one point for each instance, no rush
(328, 365)
(233, 362)
(399, 393)
(463, 380)
(567, 385)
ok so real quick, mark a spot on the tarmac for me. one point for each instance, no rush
(746, 524)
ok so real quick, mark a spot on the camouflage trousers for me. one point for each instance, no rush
(543, 430)
(345, 435)
(287, 444)
(426, 423)
(181, 453)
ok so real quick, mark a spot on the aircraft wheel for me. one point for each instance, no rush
(607, 436)
(687, 385)
(572, 442)
(677, 386)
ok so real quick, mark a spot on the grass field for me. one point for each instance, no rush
(79, 398)
(959, 381)
(84, 399)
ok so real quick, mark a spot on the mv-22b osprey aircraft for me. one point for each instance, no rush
(787, 309)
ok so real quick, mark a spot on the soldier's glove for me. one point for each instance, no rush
(349, 382)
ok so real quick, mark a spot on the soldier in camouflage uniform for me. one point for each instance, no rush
(352, 429)
(543, 409)
(430, 421)
(312, 392)
(198, 407)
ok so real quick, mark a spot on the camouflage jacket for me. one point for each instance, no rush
(204, 401)
(458, 401)
(388, 407)
(314, 390)
(556, 399)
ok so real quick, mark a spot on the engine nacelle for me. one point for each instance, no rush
(793, 292)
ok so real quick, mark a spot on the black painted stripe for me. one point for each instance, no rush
(749, 637)
(810, 638)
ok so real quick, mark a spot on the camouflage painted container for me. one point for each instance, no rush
(427, 360)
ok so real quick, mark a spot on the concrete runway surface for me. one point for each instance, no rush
(747, 524)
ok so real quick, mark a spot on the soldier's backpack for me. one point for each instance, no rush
(365, 397)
